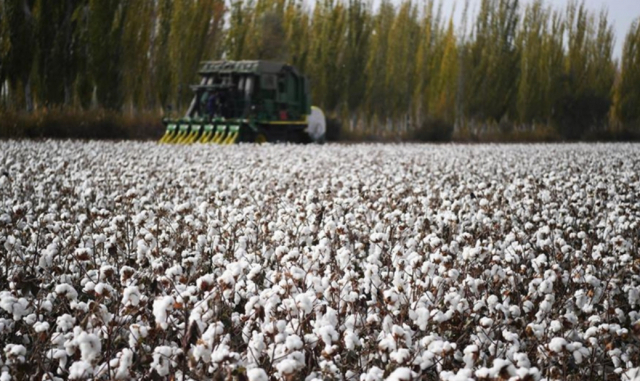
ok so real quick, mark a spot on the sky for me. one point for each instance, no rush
(621, 13)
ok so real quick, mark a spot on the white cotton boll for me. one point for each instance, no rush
(15, 352)
(278, 236)
(131, 295)
(161, 306)
(470, 355)
(124, 363)
(479, 305)
(136, 334)
(17, 307)
(174, 271)
(510, 336)
(89, 287)
(492, 301)
(66, 290)
(201, 352)
(387, 343)
(293, 342)
(328, 334)
(41, 326)
(374, 374)
(555, 326)
(162, 360)
(557, 344)
(421, 318)
(546, 286)
(401, 374)
(514, 311)
(257, 374)
(303, 302)
(103, 289)
(80, 370)
(500, 366)
(632, 374)
(522, 360)
(400, 356)
(633, 296)
(90, 346)
(30, 319)
(182, 208)
(469, 253)
(486, 322)
(462, 375)
(288, 366)
(580, 354)
(351, 340)
(65, 322)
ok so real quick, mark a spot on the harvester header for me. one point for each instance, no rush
(248, 101)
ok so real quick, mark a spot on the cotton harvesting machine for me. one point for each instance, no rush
(248, 101)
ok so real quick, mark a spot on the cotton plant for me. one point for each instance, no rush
(126, 260)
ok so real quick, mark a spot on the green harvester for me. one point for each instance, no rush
(248, 101)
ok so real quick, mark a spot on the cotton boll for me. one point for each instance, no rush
(303, 302)
(80, 370)
(131, 295)
(400, 356)
(65, 323)
(67, 291)
(89, 344)
(137, 333)
(41, 327)
(257, 374)
(15, 353)
(351, 340)
(288, 367)
(294, 342)
(125, 361)
(373, 374)
(162, 360)
(401, 374)
(161, 307)
(486, 322)
(557, 344)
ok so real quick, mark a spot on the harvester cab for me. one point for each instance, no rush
(248, 101)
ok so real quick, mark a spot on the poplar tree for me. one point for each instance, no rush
(104, 33)
(136, 39)
(399, 63)
(326, 54)
(377, 108)
(356, 49)
(18, 34)
(194, 24)
(443, 102)
(160, 70)
(627, 93)
(491, 64)
(534, 76)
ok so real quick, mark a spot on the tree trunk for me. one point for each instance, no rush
(28, 97)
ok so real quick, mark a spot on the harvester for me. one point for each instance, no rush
(248, 101)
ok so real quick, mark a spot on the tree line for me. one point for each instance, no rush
(392, 69)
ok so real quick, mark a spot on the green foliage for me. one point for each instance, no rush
(491, 62)
(627, 95)
(18, 38)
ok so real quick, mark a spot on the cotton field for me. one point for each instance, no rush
(137, 261)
